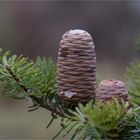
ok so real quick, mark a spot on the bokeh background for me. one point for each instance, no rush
(35, 29)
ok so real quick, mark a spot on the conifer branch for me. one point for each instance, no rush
(37, 80)
(16, 79)
(133, 81)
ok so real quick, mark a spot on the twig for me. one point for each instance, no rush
(58, 111)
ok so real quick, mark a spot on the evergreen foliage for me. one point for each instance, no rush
(19, 75)
(22, 78)
(104, 121)
(133, 80)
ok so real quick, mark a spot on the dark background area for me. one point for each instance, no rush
(35, 29)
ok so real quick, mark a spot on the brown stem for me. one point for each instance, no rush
(16, 79)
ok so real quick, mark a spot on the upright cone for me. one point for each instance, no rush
(110, 89)
(76, 67)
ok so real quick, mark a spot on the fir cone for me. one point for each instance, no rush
(110, 89)
(76, 67)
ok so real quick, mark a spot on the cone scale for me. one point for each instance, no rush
(76, 68)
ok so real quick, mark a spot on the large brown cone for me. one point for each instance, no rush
(76, 67)
(110, 89)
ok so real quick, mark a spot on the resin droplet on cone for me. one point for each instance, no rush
(110, 89)
(76, 67)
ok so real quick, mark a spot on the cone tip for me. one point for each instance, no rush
(112, 82)
(77, 36)
(77, 31)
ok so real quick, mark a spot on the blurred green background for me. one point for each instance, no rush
(35, 29)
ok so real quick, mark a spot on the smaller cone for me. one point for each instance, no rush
(110, 89)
